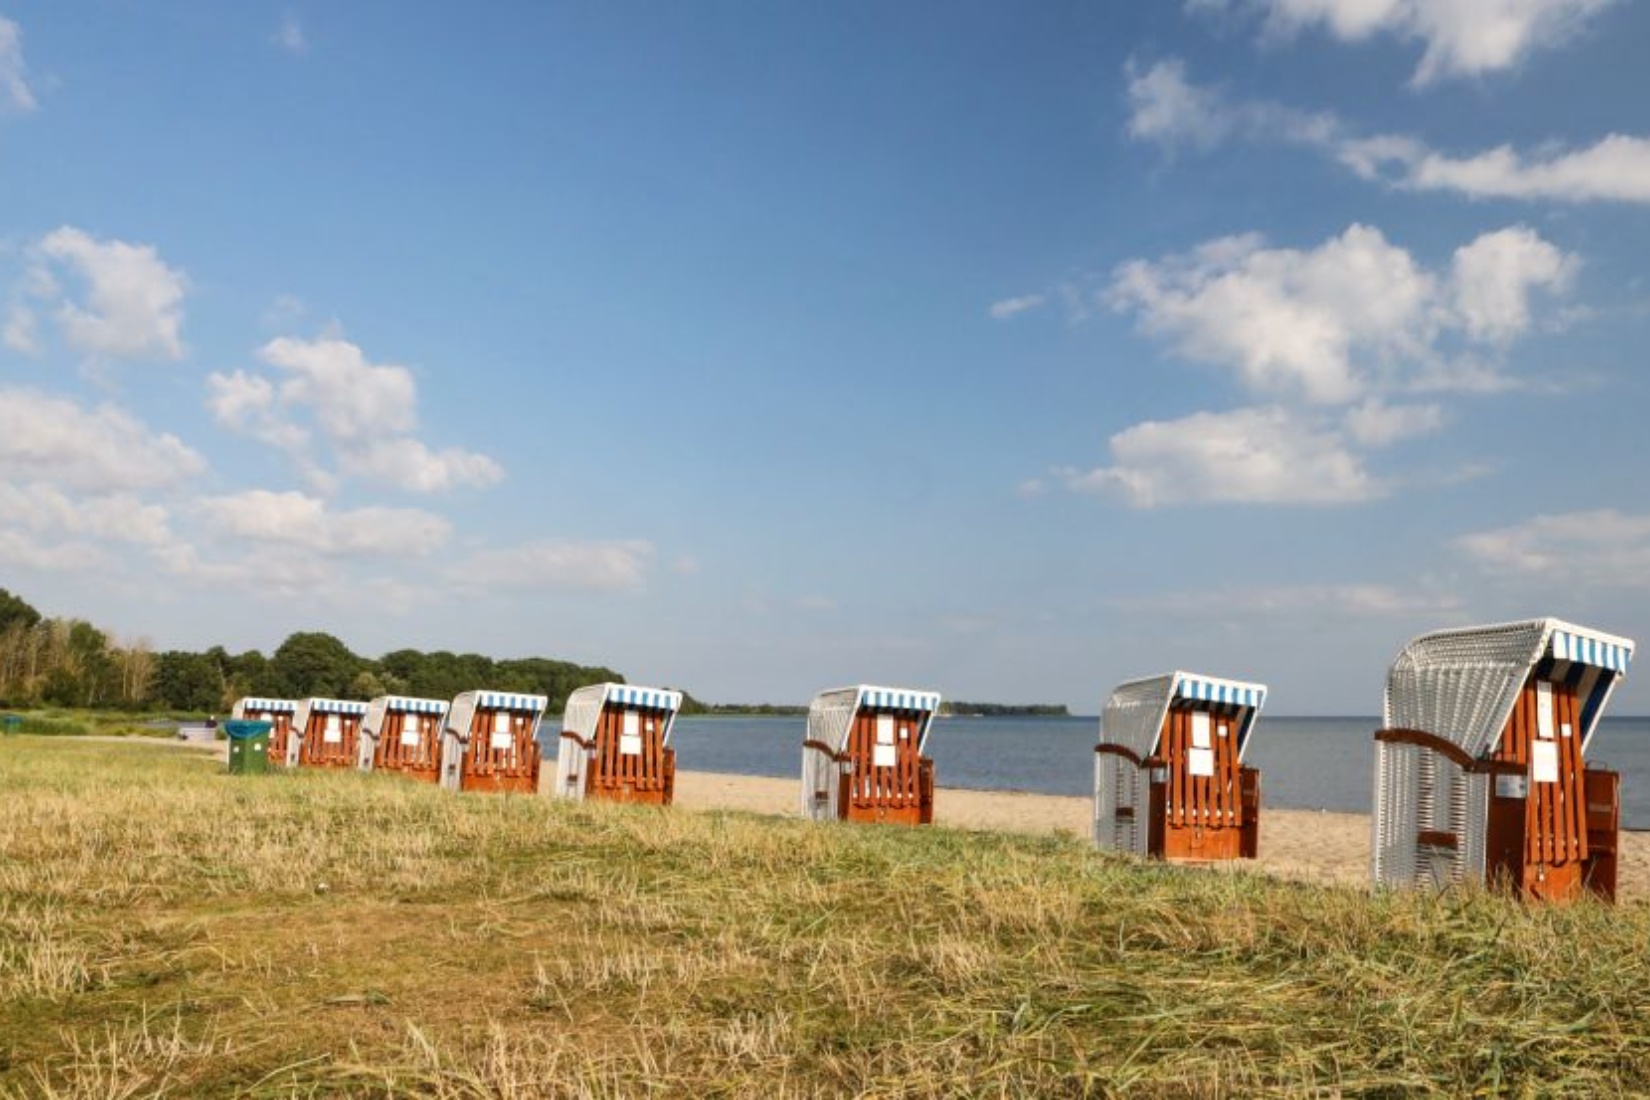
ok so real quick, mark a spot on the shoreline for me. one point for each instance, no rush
(1328, 847)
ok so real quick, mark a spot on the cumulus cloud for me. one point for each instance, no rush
(119, 517)
(1494, 277)
(1601, 548)
(1374, 423)
(102, 450)
(20, 333)
(1354, 315)
(1013, 307)
(15, 94)
(108, 298)
(50, 530)
(1337, 339)
(1459, 37)
(366, 412)
(559, 563)
(1614, 169)
(1169, 110)
(309, 522)
(1249, 456)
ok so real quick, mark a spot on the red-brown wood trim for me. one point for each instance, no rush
(1438, 839)
(1454, 752)
(1119, 750)
(820, 746)
(569, 735)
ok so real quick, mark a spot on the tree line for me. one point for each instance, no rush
(71, 663)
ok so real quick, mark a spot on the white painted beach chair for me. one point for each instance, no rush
(863, 755)
(401, 733)
(489, 742)
(1480, 769)
(1169, 779)
(615, 744)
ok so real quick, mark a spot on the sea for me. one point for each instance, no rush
(1305, 763)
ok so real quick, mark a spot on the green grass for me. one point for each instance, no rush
(48, 722)
(166, 930)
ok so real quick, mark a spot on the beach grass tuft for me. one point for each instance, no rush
(168, 930)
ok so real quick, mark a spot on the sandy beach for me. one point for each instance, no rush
(1312, 845)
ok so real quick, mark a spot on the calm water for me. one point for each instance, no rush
(1310, 763)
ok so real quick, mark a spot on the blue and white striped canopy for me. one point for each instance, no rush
(285, 706)
(408, 705)
(337, 706)
(898, 699)
(504, 700)
(1586, 650)
(649, 698)
(1212, 690)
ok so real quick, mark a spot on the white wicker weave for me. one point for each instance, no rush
(830, 719)
(1461, 685)
(300, 721)
(584, 710)
(455, 729)
(381, 708)
(1133, 720)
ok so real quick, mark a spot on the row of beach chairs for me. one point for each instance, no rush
(1481, 771)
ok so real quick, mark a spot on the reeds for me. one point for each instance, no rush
(166, 930)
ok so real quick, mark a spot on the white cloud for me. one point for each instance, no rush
(1460, 37)
(1011, 307)
(1363, 601)
(1248, 456)
(1615, 169)
(309, 523)
(559, 563)
(1356, 315)
(1165, 107)
(104, 450)
(1169, 110)
(122, 300)
(1031, 488)
(286, 310)
(1374, 423)
(1494, 276)
(21, 333)
(119, 517)
(347, 395)
(290, 35)
(1312, 324)
(1602, 548)
(408, 464)
(15, 94)
(366, 411)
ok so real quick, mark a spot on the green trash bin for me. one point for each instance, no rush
(248, 746)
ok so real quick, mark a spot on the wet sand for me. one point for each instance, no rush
(1313, 845)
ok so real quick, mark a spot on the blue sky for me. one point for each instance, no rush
(1006, 350)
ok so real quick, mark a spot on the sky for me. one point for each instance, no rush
(1004, 350)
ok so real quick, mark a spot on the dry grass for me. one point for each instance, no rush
(166, 930)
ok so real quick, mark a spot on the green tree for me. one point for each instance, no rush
(316, 664)
(187, 681)
(14, 611)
